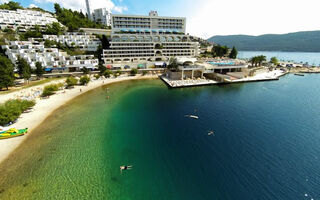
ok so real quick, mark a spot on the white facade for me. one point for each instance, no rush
(139, 48)
(50, 58)
(81, 40)
(152, 22)
(24, 19)
(102, 15)
(149, 38)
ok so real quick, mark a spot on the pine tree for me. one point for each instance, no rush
(6, 73)
(24, 68)
(39, 71)
(233, 54)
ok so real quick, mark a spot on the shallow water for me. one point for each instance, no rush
(266, 144)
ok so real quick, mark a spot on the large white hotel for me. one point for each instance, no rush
(150, 38)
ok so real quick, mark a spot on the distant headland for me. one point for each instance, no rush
(306, 41)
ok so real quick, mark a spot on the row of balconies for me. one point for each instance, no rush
(131, 26)
(170, 27)
(131, 55)
(130, 48)
(169, 20)
(110, 52)
(177, 51)
(131, 22)
(130, 19)
(178, 54)
(170, 24)
(71, 59)
(125, 44)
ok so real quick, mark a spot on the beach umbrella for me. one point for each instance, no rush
(141, 66)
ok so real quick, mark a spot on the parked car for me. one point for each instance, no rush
(126, 67)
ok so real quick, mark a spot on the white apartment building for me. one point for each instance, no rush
(50, 58)
(102, 15)
(148, 39)
(83, 41)
(134, 23)
(24, 19)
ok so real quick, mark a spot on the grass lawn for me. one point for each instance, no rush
(31, 84)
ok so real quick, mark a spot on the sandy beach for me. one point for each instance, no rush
(44, 107)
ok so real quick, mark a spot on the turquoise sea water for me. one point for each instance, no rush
(298, 57)
(266, 144)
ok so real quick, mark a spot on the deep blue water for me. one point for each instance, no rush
(266, 144)
(297, 57)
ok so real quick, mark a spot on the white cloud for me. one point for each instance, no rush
(120, 9)
(216, 17)
(4, 1)
(80, 4)
(33, 6)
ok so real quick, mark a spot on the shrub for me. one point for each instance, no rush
(51, 89)
(84, 80)
(85, 70)
(12, 109)
(71, 81)
(107, 73)
(97, 76)
(115, 74)
(133, 72)
(144, 73)
(119, 72)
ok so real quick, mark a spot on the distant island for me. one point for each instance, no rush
(307, 41)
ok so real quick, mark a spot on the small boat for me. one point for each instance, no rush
(210, 133)
(299, 74)
(12, 132)
(192, 116)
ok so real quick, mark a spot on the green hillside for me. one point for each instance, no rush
(308, 41)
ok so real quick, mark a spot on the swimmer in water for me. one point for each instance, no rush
(125, 167)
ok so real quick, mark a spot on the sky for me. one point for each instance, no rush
(206, 18)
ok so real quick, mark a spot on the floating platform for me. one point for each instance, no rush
(206, 82)
(187, 83)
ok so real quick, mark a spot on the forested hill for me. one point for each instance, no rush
(308, 41)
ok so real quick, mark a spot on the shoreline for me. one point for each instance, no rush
(45, 107)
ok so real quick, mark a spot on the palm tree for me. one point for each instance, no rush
(253, 61)
(261, 59)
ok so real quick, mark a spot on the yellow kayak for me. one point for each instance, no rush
(12, 132)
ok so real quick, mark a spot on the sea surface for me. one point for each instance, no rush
(297, 57)
(266, 144)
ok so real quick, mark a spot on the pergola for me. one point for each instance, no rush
(192, 69)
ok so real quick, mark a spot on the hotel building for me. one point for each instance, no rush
(51, 58)
(150, 38)
(24, 19)
(83, 41)
(102, 15)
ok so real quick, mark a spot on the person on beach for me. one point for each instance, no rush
(80, 90)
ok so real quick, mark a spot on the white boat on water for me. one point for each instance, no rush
(192, 116)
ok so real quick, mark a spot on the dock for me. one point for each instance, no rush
(187, 83)
(271, 76)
